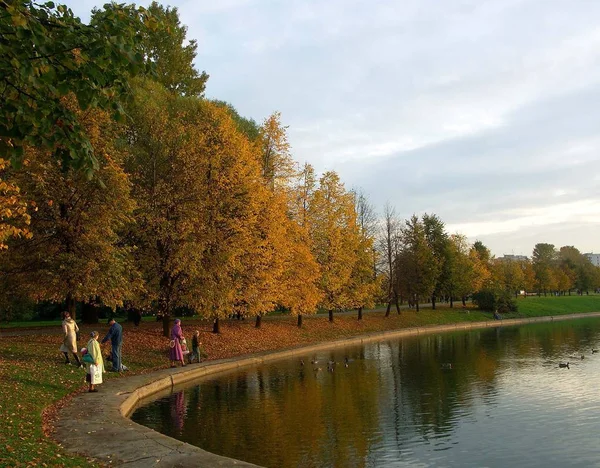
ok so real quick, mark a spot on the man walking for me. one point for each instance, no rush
(115, 334)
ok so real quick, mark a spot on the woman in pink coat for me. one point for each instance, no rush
(176, 353)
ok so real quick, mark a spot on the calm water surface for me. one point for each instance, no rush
(505, 402)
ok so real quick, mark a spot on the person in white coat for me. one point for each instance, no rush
(69, 345)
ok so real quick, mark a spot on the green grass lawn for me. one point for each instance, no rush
(536, 306)
(29, 383)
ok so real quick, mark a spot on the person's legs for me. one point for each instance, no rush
(77, 359)
(115, 356)
(66, 358)
(118, 364)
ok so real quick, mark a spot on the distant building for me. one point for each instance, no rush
(594, 258)
(514, 258)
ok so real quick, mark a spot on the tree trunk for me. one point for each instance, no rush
(70, 305)
(417, 304)
(388, 309)
(89, 313)
(299, 320)
(451, 301)
(258, 321)
(397, 306)
(166, 322)
(331, 315)
(360, 309)
(464, 301)
(216, 326)
(433, 301)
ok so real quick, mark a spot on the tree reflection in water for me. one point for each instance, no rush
(395, 404)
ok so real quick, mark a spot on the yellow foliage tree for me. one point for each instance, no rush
(14, 218)
(75, 252)
(230, 211)
(335, 241)
(278, 167)
(167, 169)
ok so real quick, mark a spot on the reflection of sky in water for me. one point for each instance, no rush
(505, 402)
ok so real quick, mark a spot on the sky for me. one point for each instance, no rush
(483, 112)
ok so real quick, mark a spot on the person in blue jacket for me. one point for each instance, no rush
(115, 335)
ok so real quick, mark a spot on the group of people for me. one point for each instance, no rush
(92, 353)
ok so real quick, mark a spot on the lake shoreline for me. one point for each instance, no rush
(119, 397)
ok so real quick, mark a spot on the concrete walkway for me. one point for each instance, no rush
(97, 425)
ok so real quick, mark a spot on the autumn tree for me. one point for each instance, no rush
(461, 269)
(14, 219)
(75, 253)
(303, 192)
(544, 258)
(230, 211)
(417, 265)
(47, 53)
(528, 275)
(481, 258)
(247, 126)
(302, 272)
(260, 280)
(508, 275)
(389, 249)
(363, 281)
(300, 291)
(278, 167)
(167, 170)
(335, 240)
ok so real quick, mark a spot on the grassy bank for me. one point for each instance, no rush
(33, 377)
(537, 306)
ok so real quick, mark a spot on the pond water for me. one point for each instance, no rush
(489, 397)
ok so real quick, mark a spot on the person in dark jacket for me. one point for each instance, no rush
(115, 335)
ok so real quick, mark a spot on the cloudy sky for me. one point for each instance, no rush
(484, 112)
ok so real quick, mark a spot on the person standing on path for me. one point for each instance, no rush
(95, 368)
(69, 344)
(176, 353)
(115, 335)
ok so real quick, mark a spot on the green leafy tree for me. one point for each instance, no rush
(46, 53)
(437, 238)
(171, 53)
(418, 267)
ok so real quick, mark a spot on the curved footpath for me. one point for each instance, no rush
(97, 424)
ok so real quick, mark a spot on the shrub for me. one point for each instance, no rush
(491, 300)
